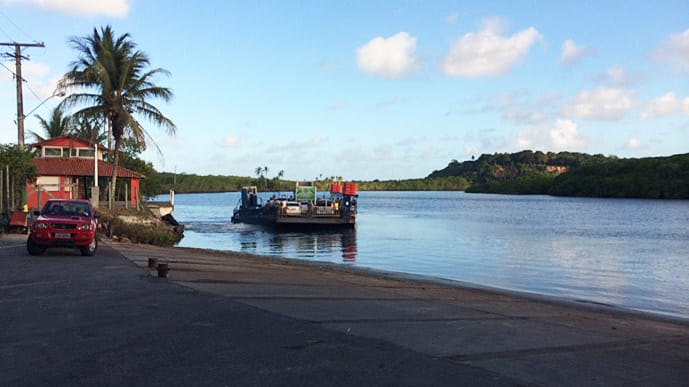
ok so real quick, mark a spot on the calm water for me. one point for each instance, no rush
(624, 252)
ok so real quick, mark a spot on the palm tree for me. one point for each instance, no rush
(58, 125)
(279, 176)
(88, 129)
(111, 80)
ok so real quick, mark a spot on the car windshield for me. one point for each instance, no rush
(67, 208)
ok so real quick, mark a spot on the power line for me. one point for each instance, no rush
(20, 100)
(8, 69)
(15, 26)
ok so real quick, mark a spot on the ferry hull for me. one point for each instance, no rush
(306, 212)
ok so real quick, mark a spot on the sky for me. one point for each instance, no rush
(369, 90)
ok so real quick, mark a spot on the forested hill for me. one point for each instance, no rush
(575, 174)
(652, 177)
(506, 166)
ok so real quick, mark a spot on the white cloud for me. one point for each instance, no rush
(605, 103)
(38, 86)
(487, 53)
(230, 141)
(632, 143)
(115, 8)
(471, 151)
(564, 135)
(665, 105)
(560, 135)
(573, 54)
(616, 74)
(452, 18)
(34, 69)
(522, 117)
(527, 138)
(31, 70)
(394, 57)
(675, 50)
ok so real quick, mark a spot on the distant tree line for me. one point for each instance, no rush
(161, 182)
(446, 183)
(526, 172)
(192, 183)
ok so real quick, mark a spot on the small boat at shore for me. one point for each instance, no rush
(303, 210)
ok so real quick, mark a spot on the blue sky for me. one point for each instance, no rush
(379, 90)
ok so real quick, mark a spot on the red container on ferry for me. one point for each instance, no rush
(336, 188)
(350, 189)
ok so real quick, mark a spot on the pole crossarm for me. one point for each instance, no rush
(40, 44)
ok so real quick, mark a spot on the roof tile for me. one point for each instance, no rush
(74, 166)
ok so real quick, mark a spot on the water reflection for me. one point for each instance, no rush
(302, 245)
(314, 244)
(349, 246)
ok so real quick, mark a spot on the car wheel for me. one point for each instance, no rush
(90, 250)
(33, 248)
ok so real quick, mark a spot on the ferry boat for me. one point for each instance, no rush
(337, 209)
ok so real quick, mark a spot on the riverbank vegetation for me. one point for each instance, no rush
(526, 172)
(190, 183)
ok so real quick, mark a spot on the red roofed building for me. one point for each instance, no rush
(66, 170)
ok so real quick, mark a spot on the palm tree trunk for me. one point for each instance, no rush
(113, 180)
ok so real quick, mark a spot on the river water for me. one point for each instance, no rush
(624, 252)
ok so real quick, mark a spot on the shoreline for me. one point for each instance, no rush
(219, 318)
(420, 280)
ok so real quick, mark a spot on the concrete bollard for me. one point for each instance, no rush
(152, 263)
(163, 269)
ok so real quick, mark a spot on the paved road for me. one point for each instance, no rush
(228, 319)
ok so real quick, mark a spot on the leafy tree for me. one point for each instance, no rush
(111, 80)
(18, 163)
(152, 184)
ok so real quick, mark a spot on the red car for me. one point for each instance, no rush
(64, 223)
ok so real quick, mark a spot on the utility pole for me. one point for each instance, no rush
(20, 99)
